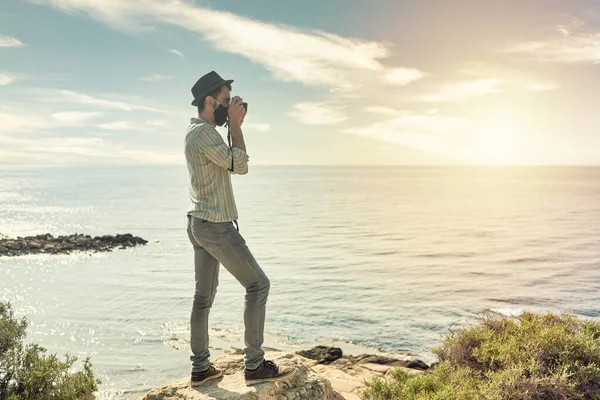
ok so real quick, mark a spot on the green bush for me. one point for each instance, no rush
(530, 357)
(28, 373)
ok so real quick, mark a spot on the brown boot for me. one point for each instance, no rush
(267, 372)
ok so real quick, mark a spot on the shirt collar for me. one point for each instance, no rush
(197, 120)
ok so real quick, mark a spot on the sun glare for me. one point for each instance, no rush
(496, 139)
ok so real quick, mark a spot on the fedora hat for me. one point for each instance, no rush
(207, 84)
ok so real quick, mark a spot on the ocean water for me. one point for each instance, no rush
(380, 257)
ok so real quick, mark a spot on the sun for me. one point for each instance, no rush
(496, 138)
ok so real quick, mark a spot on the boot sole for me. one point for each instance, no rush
(209, 378)
(250, 382)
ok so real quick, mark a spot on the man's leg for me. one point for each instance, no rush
(207, 279)
(226, 244)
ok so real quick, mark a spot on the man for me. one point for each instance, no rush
(212, 234)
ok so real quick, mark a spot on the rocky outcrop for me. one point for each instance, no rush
(66, 244)
(348, 373)
(304, 384)
(323, 373)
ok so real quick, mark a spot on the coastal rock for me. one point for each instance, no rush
(48, 244)
(322, 354)
(348, 373)
(342, 378)
(304, 384)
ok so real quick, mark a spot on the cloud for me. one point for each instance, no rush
(486, 79)
(382, 111)
(311, 113)
(10, 41)
(6, 80)
(403, 76)
(78, 150)
(311, 57)
(257, 127)
(155, 78)
(157, 123)
(569, 46)
(177, 52)
(420, 131)
(69, 96)
(118, 126)
(464, 90)
(74, 117)
(18, 121)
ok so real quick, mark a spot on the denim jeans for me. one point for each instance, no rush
(220, 243)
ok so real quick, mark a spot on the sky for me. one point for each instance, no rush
(341, 82)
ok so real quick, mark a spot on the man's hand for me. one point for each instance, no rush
(236, 111)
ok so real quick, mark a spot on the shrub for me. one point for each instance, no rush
(29, 373)
(530, 357)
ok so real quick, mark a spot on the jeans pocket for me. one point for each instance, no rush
(228, 230)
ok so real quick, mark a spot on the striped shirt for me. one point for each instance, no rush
(209, 161)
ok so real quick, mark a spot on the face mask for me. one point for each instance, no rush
(221, 114)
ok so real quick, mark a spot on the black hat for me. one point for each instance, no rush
(206, 85)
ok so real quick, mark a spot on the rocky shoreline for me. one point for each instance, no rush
(48, 244)
(323, 373)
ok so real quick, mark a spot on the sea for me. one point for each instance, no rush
(377, 258)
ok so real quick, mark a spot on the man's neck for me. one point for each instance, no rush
(208, 117)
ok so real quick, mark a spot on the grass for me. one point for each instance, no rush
(530, 357)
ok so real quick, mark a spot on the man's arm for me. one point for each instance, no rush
(237, 142)
(210, 142)
(236, 118)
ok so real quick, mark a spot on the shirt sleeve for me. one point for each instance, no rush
(210, 143)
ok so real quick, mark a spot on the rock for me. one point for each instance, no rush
(348, 373)
(81, 242)
(322, 354)
(65, 244)
(304, 384)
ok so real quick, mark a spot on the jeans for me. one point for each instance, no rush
(220, 243)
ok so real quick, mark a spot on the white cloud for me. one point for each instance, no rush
(151, 125)
(155, 78)
(119, 126)
(464, 90)
(311, 57)
(486, 79)
(425, 132)
(78, 150)
(569, 46)
(81, 98)
(311, 113)
(157, 123)
(10, 41)
(403, 76)
(74, 117)
(256, 127)
(6, 80)
(541, 87)
(382, 111)
(18, 121)
(177, 52)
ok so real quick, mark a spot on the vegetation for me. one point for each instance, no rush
(530, 357)
(27, 372)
